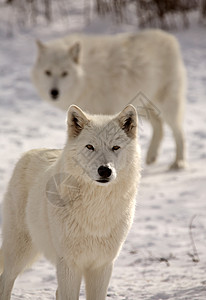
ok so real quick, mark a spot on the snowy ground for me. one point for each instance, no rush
(154, 263)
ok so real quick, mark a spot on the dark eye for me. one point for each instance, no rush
(48, 73)
(90, 147)
(64, 74)
(115, 148)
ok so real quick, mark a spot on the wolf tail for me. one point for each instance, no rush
(1, 261)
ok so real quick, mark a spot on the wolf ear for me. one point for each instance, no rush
(41, 46)
(74, 52)
(128, 121)
(76, 120)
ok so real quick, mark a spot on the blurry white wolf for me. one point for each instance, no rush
(104, 73)
(74, 205)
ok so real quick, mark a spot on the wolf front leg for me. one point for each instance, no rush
(69, 281)
(97, 281)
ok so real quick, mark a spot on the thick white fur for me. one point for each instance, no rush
(106, 72)
(84, 237)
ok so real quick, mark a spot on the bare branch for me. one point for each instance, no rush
(194, 255)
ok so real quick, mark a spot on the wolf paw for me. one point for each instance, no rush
(178, 165)
(151, 158)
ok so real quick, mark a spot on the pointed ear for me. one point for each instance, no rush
(41, 46)
(128, 120)
(76, 120)
(74, 52)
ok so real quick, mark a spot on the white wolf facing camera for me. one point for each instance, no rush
(76, 214)
(104, 73)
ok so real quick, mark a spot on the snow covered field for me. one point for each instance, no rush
(156, 261)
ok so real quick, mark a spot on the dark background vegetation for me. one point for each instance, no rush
(149, 13)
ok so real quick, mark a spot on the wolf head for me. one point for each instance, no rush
(57, 71)
(102, 147)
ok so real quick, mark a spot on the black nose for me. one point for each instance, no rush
(54, 93)
(104, 172)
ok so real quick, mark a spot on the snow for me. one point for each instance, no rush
(155, 262)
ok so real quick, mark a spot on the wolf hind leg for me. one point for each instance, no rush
(16, 256)
(179, 162)
(157, 135)
(175, 121)
(1, 262)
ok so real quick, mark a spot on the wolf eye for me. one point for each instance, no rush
(90, 147)
(48, 73)
(115, 148)
(64, 74)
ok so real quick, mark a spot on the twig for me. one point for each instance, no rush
(166, 260)
(194, 255)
